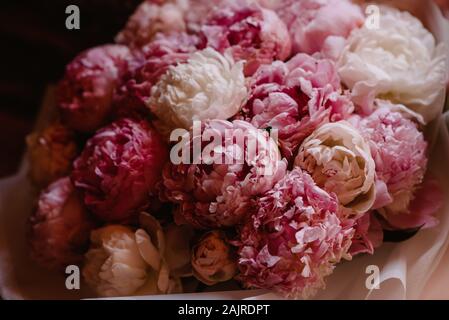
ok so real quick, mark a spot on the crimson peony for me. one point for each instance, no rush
(119, 168)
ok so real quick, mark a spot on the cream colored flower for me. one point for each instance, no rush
(123, 262)
(399, 61)
(340, 161)
(208, 86)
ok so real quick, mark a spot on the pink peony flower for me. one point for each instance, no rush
(250, 32)
(427, 200)
(119, 168)
(295, 98)
(315, 25)
(399, 151)
(60, 227)
(368, 234)
(196, 12)
(294, 238)
(86, 91)
(149, 19)
(152, 61)
(217, 189)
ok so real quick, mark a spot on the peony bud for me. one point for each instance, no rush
(213, 260)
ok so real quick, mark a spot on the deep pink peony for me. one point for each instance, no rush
(86, 91)
(399, 151)
(250, 32)
(217, 190)
(152, 61)
(295, 98)
(294, 238)
(368, 234)
(60, 227)
(150, 18)
(317, 25)
(119, 168)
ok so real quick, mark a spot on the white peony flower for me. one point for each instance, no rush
(208, 86)
(398, 61)
(122, 262)
(340, 161)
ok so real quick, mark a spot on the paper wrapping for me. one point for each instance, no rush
(413, 269)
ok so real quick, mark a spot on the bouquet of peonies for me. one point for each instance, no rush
(262, 142)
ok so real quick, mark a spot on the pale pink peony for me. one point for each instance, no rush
(196, 12)
(399, 151)
(368, 234)
(339, 160)
(318, 24)
(294, 238)
(210, 194)
(60, 227)
(427, 200)
(119, 168)
(250, 32)
(86, 91)
(149, 19)
(295, 98)
(152, 61)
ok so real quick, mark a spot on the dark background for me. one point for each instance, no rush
(35, 47)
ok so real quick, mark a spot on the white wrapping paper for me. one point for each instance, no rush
(414, 269)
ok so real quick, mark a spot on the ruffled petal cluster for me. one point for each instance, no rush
(399, 152)
(294, 238)
(216, 190)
